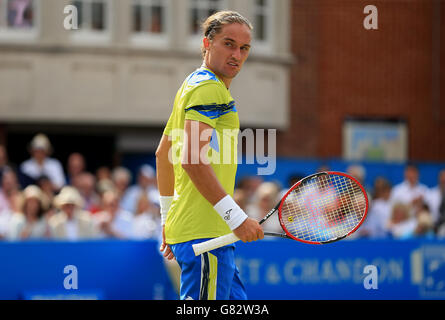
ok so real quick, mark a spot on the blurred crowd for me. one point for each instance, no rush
(403, 211)
(43, 199)
(40, 199)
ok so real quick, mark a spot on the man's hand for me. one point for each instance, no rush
(165, 248)
(250, 230)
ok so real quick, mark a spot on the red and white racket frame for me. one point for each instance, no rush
(312, 177)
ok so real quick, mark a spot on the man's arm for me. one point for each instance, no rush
(197, 166)
(166, 186)
(164, 168)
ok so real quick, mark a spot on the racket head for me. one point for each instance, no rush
(323, 208)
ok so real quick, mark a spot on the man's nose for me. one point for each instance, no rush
(236, 54)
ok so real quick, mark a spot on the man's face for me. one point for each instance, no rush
(39, 154)
(411, 175)
(228, 51)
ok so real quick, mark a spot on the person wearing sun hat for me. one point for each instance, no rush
(30, 221)
(41, 164)
(71, 222)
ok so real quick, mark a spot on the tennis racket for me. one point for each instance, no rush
(319, 209)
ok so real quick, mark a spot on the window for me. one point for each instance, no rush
(18, 17)
(149, 16)
(263, 23)
(200, 10)
(150, 21)
(93, 19)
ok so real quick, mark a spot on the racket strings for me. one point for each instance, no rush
(323, 208)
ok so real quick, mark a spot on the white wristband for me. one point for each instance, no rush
(165, 203)
(229, 210)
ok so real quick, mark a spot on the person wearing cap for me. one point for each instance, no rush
(40, 163)
(30, 222)
(71, 222)
(146, 185)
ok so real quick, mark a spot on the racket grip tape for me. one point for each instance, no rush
(216, 243)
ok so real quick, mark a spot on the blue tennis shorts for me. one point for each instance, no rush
(210, 276)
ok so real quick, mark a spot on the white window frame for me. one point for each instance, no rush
(150, 39)
(90, 36)
(195, 39)
(264, 46)
(10, 34)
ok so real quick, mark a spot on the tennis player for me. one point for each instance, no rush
(196, 192)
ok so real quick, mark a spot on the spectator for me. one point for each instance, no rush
(239, 195)
(121, 178)
(291, 181)
(147, 221)
(103, 173)
(146, 185)
(103, 186)
(75, 166)
(85, 183)
(4, 161)
(375, 225)
(5, 216)
(9, 191)
(113, 221)
(41, 164)
(47, 188)
(436, 201)
(424, 227)
(410, 189)
(71, 222)
(401, 222)
(359, 172)
(9, 187)
(249, 185)
(324, 167)
(266, 197)
(30, 222)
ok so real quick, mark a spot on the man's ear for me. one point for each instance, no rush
(206, 43)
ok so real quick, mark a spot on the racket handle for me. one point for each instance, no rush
(216, 243)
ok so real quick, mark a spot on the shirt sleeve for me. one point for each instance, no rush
(169, 127)
(206, 104)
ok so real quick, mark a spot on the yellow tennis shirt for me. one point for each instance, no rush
(202, 97)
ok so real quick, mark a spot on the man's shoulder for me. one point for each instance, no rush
(28, 163)
(203, 81)
(52, 162)
(401, 186)
(201, 76)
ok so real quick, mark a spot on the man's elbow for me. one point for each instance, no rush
(162, 151)
(190, 166)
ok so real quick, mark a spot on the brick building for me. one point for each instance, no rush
(345, 71)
